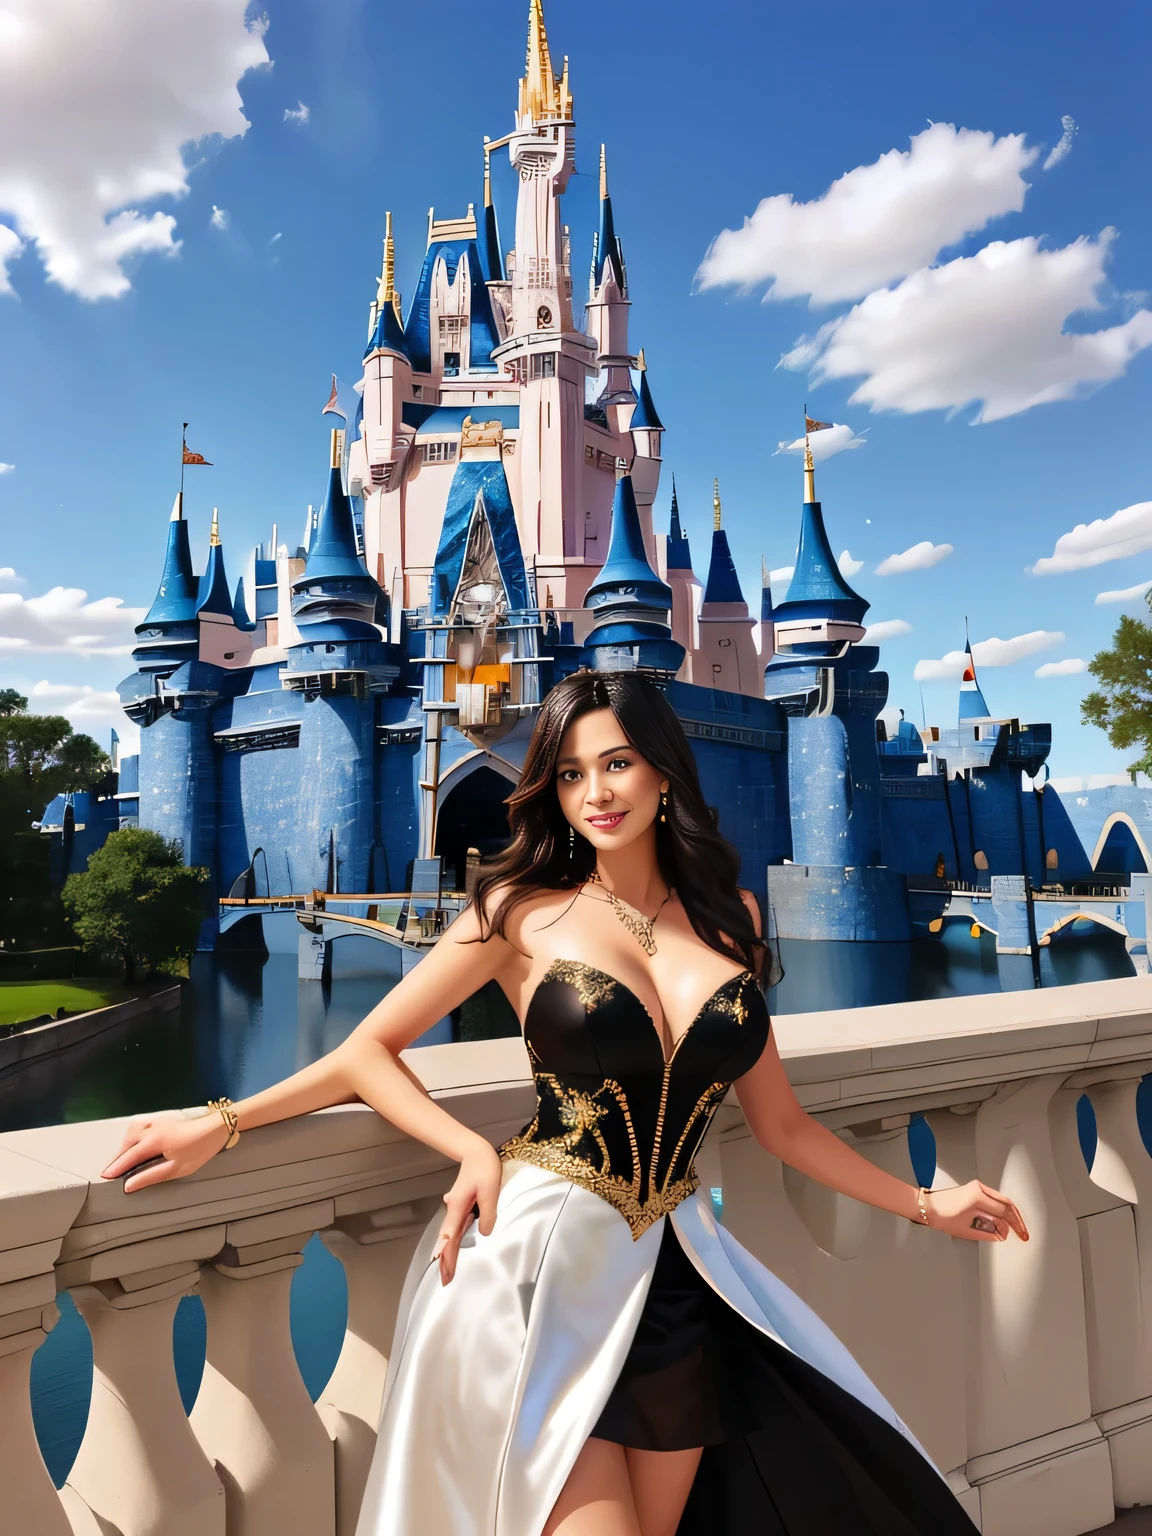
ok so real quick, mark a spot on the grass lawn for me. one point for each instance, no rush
(21, 1000)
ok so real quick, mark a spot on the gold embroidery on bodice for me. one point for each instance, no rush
(586, 1131)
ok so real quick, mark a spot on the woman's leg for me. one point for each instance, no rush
(613, 1491)
(661, 1482)
(597, 1498)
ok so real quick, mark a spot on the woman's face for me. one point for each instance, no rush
(607, 791)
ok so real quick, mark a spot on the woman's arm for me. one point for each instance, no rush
(781, 1127)
(365, 1068)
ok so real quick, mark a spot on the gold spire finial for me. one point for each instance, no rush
(337, 448)
(640, 363)
(487, 173)
(214, 536)
(539, 97)
(716, 505)
(809, 473)
(603, 173)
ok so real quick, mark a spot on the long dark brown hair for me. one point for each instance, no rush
(695, 861)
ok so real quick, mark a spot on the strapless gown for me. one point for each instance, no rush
(609, 1301)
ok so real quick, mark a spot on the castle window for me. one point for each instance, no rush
(543, 318)
(417, 391)
(451, 364)
(438, 453)
(516, 369)
(725, 642)
(544, 365)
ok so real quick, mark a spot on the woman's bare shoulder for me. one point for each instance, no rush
(534, 909)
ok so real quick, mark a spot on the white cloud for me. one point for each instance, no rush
(96, 102)
(6, 469)
(985, 329)
(10, 247)
(887, 629)
(919, 558)
(778, 578)
(988, 653)
(1123, 594)
(220, 218)
(90, 710)
(64, 620)
(9, 580)
(1127, 532)
(1062, 150)
(1069, 667)
(848, 566)
(297, 114)
(878, 222)
(824, 444)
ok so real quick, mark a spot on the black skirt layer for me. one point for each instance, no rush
(786, 1451)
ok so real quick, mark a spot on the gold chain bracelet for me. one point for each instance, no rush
(223, 1108)
(921, 1203)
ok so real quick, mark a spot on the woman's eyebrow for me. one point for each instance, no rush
(612, 751)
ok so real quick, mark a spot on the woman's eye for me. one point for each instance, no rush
(618, 763)
(569, 776)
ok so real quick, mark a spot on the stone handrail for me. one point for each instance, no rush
(1026, 1370)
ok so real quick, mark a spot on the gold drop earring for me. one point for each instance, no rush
(663, 805)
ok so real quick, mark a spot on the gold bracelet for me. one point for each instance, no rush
(230, 1118)
(922, 1204)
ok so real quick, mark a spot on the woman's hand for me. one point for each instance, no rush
(976, 1211)
(477, 1186)
(183, 1145)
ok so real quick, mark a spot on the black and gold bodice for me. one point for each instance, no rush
(612, 1114)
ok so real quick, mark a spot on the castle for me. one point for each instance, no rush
(365, 698)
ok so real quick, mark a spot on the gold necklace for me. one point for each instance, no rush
(640, 927)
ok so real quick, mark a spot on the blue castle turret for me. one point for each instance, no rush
(334, 599)
(214, 596)
(168, 633)
(826, 683)
(679, 553)
(629, 602)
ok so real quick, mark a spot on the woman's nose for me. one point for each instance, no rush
(599, 790)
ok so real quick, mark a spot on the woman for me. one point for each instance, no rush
(595, 1356)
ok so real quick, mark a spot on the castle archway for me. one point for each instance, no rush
(472, 815)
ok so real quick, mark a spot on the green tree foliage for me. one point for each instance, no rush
(138, 902)
(1122, 705)
(40, 757)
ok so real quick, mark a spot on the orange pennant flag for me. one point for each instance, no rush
(195, 458)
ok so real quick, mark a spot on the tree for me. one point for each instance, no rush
(138, 902)
(40, 758)
(1122, 706)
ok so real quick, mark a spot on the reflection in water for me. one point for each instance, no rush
(246, 1022)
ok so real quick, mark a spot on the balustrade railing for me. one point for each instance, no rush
(1026, 1370)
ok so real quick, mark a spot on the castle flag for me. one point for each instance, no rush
(335, 405)
(816, 426)
(195, 458)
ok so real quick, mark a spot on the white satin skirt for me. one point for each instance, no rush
(497, 1379)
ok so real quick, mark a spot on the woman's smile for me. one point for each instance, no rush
(607, 821)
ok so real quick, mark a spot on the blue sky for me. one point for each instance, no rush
(241, 294)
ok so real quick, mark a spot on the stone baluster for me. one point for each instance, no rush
(888, 1289)
(139, 1466)
(375, 1246)
(29, 1500)
(1118, 1278)
(253, 1415)
(39, 1206)
(1037, 1456)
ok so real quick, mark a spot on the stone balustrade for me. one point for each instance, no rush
(1026, 1370)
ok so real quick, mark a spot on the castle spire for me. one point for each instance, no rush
(540, 97)
(629, 602)
(492, 255)
(723, 584)
(809, 474)
(972, 705)
(334, 589)
(214, 595)
(387, 320)
(717, 520)
(607, 250)
(645, 415)
(679, 554)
